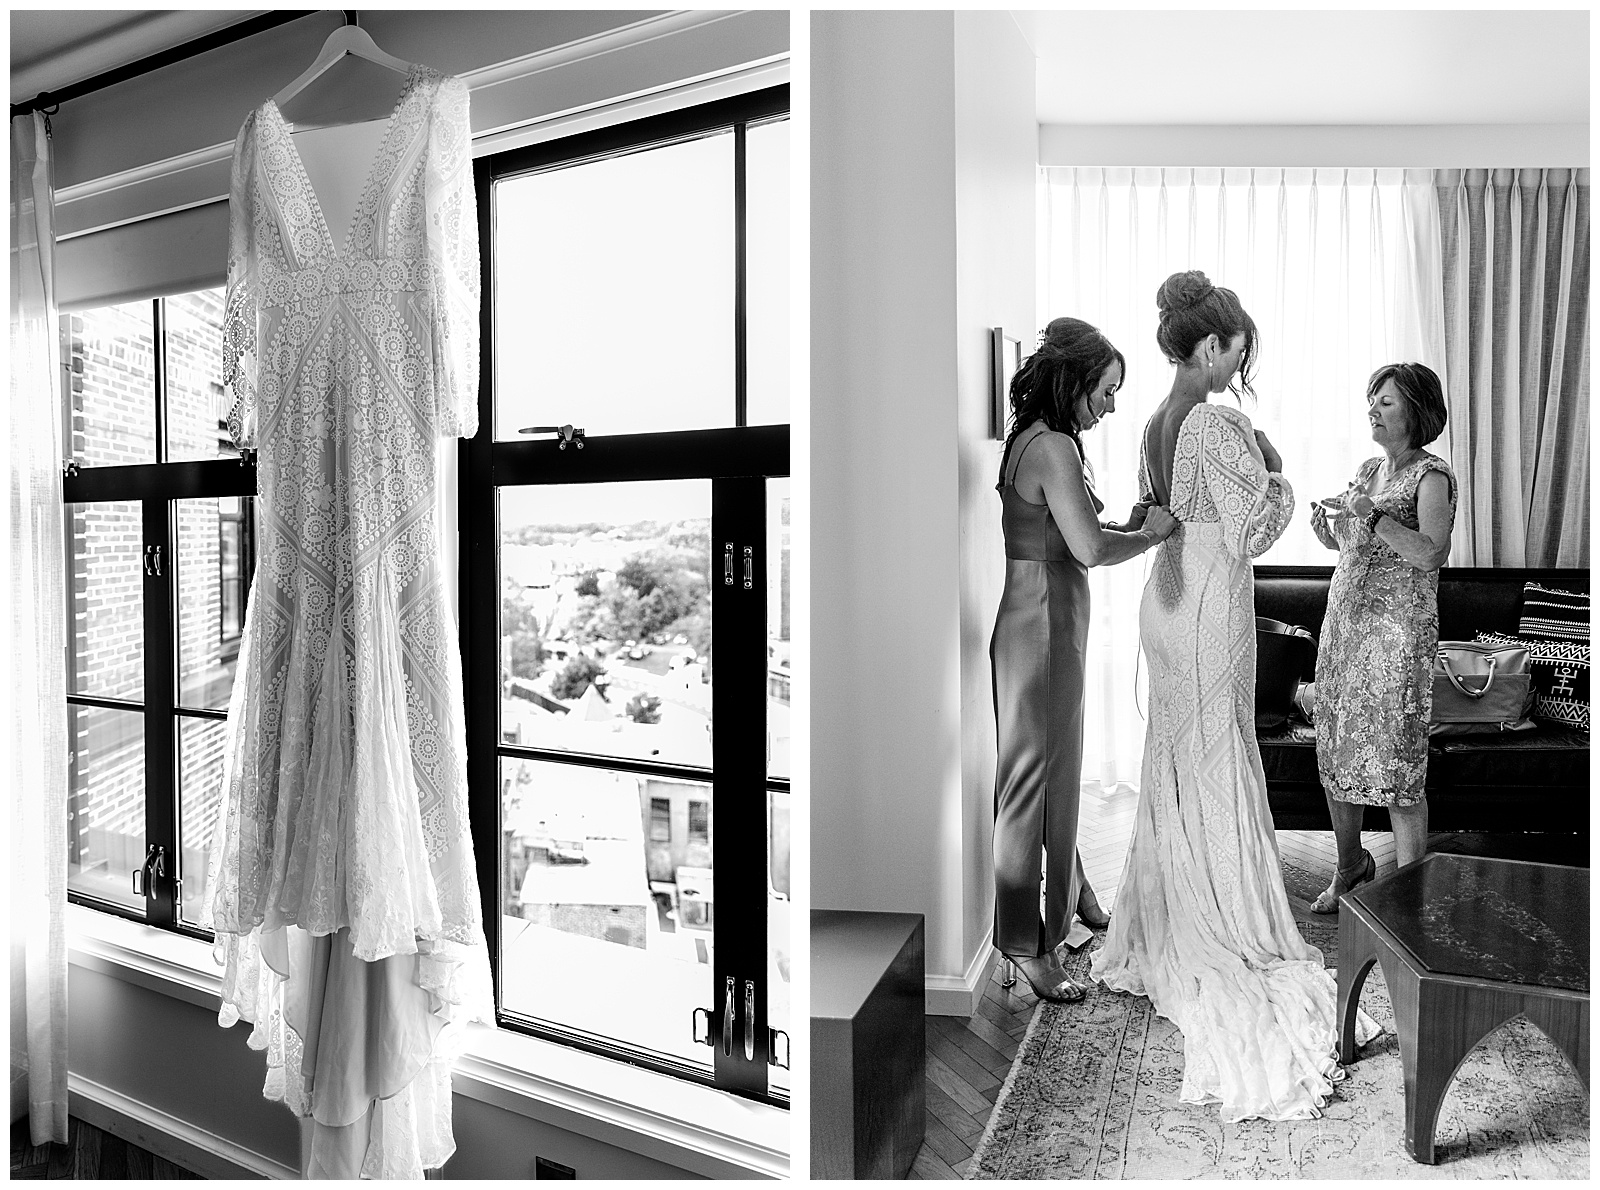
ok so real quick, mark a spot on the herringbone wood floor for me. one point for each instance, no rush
(88, 1153)
(968, 1059)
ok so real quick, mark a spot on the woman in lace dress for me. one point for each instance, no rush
(1050, 516)
(1201, 923)
(1374, 689)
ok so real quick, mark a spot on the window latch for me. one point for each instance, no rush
(152, 561)
(155, 864)
(69, 469)
(565, 435)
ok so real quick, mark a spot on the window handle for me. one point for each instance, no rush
(727, 1019)
(774, 1048)
(749, 1020)
(152, 561)
(727, 563)
(565, 435)
(749, 568)
(154, 862)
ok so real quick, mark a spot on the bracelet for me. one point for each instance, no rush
(1372, 519)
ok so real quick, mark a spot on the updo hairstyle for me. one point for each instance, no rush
(1071, 358)
(1418, 386)
(1192, 308)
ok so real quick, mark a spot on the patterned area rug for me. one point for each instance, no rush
(1093, 1093)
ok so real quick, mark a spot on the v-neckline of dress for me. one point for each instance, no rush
(341, 248)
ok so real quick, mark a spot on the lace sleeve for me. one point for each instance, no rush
(452, 231)
(240, 364)
(1254, 505)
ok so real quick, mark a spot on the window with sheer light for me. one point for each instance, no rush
(1338, 269)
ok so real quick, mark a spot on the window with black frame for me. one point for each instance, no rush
(625, 590)
(159, 553)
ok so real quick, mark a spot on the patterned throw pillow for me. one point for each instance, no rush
(1560, 676)
(1554, 615)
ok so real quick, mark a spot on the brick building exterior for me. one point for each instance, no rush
(113, 367)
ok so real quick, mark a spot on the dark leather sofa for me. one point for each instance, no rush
(1515, 782)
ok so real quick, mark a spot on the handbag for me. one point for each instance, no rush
(1286, 655)
(1481, 687)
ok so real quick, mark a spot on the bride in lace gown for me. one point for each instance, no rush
(1201, 923)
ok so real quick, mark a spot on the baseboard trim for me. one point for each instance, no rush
(167, 1136)
(958, 995)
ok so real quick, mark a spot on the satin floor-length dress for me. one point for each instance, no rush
(1037, 659)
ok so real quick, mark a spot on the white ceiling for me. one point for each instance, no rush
(1301, 67)
(51, 48)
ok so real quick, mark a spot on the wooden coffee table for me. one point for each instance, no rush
(1465, 944)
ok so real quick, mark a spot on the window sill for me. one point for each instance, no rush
(698, 1129)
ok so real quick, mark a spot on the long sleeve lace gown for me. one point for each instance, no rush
(1202, 924)
(342, 887)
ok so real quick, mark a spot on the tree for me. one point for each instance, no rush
(519, 623)
(644, 708)
(588, 584)
(654, 590)
(580, 672)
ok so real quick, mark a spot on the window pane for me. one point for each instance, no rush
(766, 157)
(780, 654)
(586, 887)
(605, 619)
(106, 654)
(614, 293)
(109, 355)
(214, 547)
(778, 938)
(197, 414)
(200, 800)
(105, 808)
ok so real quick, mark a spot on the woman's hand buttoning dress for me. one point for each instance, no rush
(1374, 688)
(1202, 924)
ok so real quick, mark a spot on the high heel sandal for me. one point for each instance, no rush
(1095, 918)
(1328, 900)
(1064, 991)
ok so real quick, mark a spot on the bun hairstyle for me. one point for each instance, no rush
(1071, 358)
(1419, 388)
(1192, 308)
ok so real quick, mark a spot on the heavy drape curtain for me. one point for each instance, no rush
(1334, 267)
(35, 684)
(1515, 254)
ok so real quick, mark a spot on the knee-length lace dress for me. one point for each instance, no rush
(342, 887)
(1374, 689)
(1202, 924)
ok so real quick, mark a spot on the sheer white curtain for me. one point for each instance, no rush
(35, 684)
(1340, 270)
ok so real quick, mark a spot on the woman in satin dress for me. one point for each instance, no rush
(1053, 533)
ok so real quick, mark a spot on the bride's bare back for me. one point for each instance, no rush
(1161, 446)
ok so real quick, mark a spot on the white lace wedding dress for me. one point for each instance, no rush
(1201, 923)
(342, 886)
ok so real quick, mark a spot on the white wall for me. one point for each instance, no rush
(1407, 146)
(122, 153)
(885, 496)
(922, 197)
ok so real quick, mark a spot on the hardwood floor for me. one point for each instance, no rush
(88, 1153)
(968, 1059)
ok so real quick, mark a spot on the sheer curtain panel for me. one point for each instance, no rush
(35, 689)
(1338, 267)
(1516, 300)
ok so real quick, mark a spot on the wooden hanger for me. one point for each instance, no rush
(346, 39)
